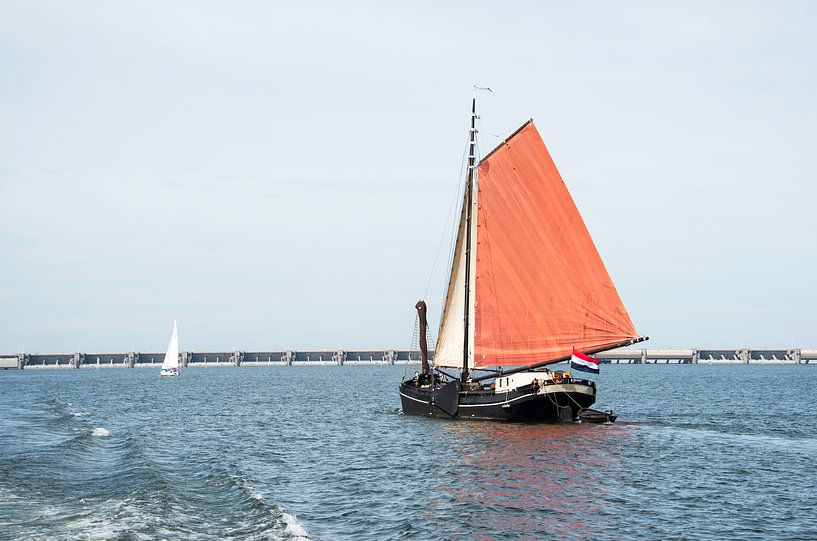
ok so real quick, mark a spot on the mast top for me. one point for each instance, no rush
(511, 136)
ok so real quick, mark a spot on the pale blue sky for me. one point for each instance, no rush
(278, 174)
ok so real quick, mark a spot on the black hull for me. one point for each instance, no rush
(549, 403)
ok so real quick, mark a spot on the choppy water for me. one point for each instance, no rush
(298, 453)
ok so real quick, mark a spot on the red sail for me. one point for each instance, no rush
(541, 287)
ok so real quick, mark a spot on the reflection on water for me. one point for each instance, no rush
(698, 453)
(542, 479)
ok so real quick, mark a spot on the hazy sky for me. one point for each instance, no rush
(278, 174)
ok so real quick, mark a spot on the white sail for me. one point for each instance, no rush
(450, 338)
(172, 355)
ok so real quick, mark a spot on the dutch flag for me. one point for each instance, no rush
(585, 363)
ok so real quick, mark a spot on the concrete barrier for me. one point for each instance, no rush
(353, 357)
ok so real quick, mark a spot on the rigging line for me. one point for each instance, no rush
(451, 208)
(414, 338)
(559, 406)
(415, 334)
(478, 155)
(581, 408)
(453, 236)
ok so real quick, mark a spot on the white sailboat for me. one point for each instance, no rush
(170, 366)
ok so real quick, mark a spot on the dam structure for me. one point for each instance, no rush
(189, 359)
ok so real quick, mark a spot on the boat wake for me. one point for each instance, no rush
(71, 479)
(730, 436)
(294, 528)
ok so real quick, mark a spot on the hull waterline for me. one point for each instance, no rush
(533, 403)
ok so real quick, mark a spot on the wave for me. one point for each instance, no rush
(792, 443)
(100, 431)
(150, 505)
(294, 528)
(287, 524)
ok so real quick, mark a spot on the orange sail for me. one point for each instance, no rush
(541, 287)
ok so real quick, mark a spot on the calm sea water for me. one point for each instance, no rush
(699, 452)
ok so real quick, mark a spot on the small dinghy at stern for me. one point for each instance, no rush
(596, 416)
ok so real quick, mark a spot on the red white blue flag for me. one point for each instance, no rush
(585, 363)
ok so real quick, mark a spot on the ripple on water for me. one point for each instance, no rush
(239, 453)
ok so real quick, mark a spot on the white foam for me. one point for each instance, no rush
(99, 431)
(254, 494)
(80, 414)
(760, 440)
(92, 528)
(294, 528)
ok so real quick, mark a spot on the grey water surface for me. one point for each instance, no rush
(323, 453)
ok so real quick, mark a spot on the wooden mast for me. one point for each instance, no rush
(469, 190)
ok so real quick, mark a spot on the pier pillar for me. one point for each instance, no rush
(696, 356)
(339, 357)
(288, 357)
(390, 356)
(77, 359)
(185, 359)
(22, 360)
(237, 357)
(643, 356)
(743, 355)
(794, 355)
(131, 359)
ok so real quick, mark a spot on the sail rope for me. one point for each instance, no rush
(556, 403)
(458, 195)
(414, 346)
(451, 208)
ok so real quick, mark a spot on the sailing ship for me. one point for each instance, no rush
(526, 289)
(170, 366)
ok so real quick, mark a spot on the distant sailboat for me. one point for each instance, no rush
(526, 289)
(170, 366)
